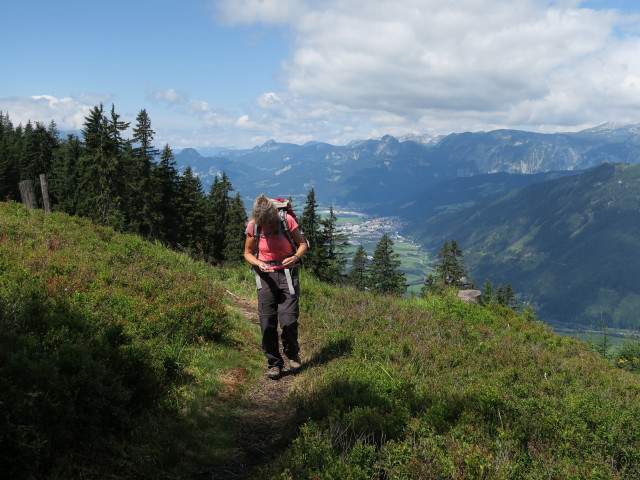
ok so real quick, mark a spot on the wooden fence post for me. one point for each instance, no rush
(28, 194)
(45, 193)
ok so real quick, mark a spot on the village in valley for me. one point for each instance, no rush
(367, 231)
(361, 227)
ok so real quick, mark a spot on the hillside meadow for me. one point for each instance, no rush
(116, 355)
(113, 353)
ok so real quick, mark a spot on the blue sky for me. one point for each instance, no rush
(236, 73)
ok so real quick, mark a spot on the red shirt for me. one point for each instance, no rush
(274, 245)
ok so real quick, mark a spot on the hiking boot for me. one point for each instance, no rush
(295, 362)
(274, 372)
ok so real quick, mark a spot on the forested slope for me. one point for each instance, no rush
(569, 245)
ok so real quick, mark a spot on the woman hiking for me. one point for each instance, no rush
(275, 266)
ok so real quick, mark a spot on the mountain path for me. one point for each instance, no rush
(261, 433)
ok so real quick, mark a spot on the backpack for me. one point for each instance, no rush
(284, 207)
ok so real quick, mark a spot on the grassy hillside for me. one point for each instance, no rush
(570, 245)
(435, 388)
(113, 353)
(115, 358)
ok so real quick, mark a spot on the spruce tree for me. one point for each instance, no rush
(335, 245)
(359, 271)
(28, 159)
(64, 176)
(310, 224)
(450, 272)
(94, 133)
(510, 298)
(451, 267)
(233, 252)
(432, 284)
(218, 204)
(9, 171)
(191, 213)
(146, 219)
(500, 295)
(167, 180)
(487, 293)
(385, 276)
(99, 171)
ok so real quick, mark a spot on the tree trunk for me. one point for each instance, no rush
(28, 194)
(45, 194)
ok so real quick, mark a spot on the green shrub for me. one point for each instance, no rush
(436, 388)
(627, 355)
(98, 332)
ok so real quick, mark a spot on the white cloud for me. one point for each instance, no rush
(446, 66)
(276, 12)
(67, 112)
(171, 96)
(183, 104)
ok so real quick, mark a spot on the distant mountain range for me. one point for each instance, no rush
(368, 173)
(548, 213)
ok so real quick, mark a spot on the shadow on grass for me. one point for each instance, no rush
(341, 346)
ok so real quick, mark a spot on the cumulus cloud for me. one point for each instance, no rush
(170, 95)
(446, 66)
(67, 112)
(183, 103)
(277, 12)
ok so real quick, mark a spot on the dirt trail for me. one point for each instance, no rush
(260, 434)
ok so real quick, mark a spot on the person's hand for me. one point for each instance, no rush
(264, 267)
(290, 262)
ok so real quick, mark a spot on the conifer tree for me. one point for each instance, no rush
(509, 297)
(487, 292)
(385, 276)
(99, 172)
(191, 213)
(94, 130)
(64, 175)
(335, 244)
(234, 231)
(218, 204)
(146, 197)
(167, 180)
(143, 138)
(310, 224)
(28, 155)
(9, 171)
(450, 272)
(432, 284)
(451, 267)
(500, 295)
(359, 271)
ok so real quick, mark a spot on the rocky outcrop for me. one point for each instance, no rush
(470, 296)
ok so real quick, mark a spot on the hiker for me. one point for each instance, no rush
(279, 244)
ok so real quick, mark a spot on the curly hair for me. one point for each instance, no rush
(264, 211)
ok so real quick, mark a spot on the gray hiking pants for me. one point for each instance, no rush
(276, 304)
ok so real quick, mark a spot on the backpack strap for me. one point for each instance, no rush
(284, 227)
(287, 274)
